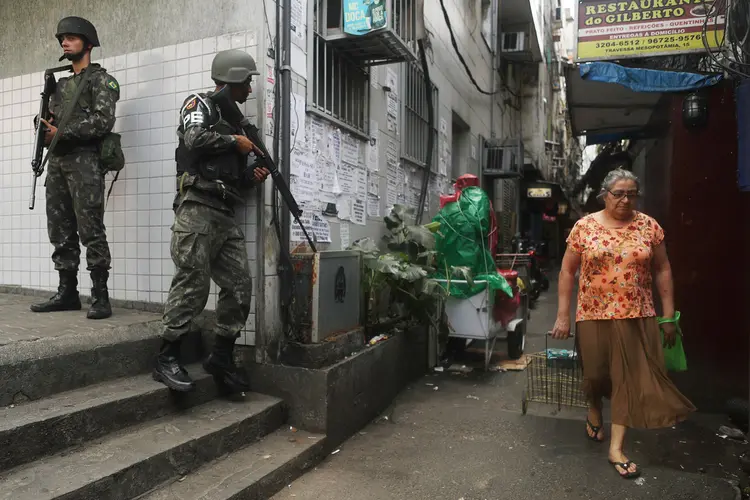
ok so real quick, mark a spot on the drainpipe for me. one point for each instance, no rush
(494, 55)
(430, 126)
(285, 140)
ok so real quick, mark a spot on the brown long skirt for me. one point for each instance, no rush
(623, 361)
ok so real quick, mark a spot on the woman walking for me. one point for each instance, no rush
(620, 252)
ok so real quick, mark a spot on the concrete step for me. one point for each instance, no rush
(136, 460)
(41, 428)
(42, 354)
(256, 472)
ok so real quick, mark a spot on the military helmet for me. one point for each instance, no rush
(77, 26)
(233, 66)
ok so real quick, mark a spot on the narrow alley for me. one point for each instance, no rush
(452, 436)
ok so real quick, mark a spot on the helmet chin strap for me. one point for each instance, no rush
(73, 57)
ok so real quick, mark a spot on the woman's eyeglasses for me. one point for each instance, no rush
(618, 195)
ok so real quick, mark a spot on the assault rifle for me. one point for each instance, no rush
(232, 114)
(37, 165)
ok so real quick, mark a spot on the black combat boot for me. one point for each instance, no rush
(66, 298)
(100, 307)
(220, 364)
(169, 371)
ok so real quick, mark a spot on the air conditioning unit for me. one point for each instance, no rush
(514, 41)
(503, 157)
(328, 298)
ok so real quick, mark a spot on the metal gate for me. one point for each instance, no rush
(506, 204)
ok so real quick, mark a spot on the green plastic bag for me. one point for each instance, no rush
(674, 357)
(464, 227)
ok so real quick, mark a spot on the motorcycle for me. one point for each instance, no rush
(537, 279)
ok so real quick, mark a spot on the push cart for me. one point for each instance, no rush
(521, 264)
(474, 318)
(554, 377)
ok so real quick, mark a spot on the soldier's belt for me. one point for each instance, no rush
(216, 189)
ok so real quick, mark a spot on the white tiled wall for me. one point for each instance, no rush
(139, 213)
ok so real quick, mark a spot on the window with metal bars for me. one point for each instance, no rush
(339, 88)
(415, 116)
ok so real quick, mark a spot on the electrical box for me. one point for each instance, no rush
(327, 294)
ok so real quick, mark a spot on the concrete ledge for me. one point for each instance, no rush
(138, 305)
(339, 400)
(325, 353)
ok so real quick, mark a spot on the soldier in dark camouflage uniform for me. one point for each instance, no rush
(207, 243)
(75, 181)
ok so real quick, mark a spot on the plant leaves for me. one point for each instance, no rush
(422, 236)
(463, 273)
(433, 288)
(412, 273)
(365, 245)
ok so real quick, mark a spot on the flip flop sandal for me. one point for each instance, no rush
(624, 466)
(595, 437)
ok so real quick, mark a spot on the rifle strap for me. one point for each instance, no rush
(67, 113)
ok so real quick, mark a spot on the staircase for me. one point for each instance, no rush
(128, 437)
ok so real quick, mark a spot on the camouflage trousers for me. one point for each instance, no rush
(75, 206)
(207, 244)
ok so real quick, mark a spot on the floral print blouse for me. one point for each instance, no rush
(615, 274)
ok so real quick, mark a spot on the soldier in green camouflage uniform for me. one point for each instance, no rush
(75, 181)
(207, 243)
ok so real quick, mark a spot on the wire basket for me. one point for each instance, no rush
(554, 377)
(512, 260)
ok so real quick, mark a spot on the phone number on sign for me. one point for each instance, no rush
(649, 41)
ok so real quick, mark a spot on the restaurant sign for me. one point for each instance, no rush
(539, 192)
(621, 29)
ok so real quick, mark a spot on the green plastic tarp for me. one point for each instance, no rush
(462, 241)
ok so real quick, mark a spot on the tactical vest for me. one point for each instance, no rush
(80, 111)
(226, 166)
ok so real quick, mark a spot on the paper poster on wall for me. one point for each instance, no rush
(350, 150)
(391, 80)
(373, 157)
(302, 161)
(373, 184)
(297, 120)
(344, 204)
(299, 23)
(347, 177)
(359, 212)
(300, 190)
(344, 233)
(360, 183)
(317, 135)
(334, 146)
(392, 152)
(326, 174)
(375, 77)
(443, 127)
(373, 205)
(270, 102)
(392, 124)
(395, 184)
(315, 224)
(363, 16)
